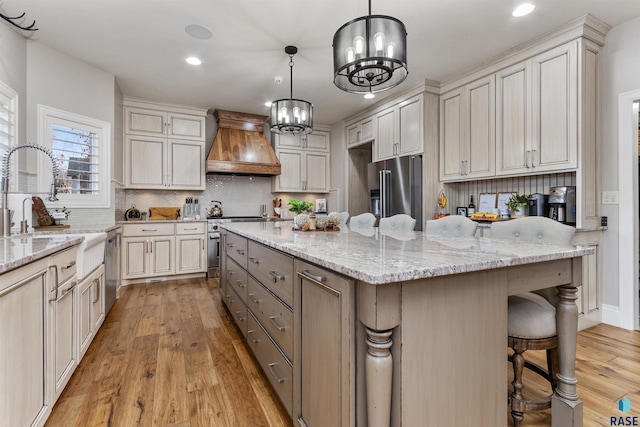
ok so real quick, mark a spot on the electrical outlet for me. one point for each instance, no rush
(609, 197)
(603, 221)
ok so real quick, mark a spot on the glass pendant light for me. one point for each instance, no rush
(294, 116)
(370, 54)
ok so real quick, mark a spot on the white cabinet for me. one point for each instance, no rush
(163, 249)
(63, 307)
(305, 163)
(537, 113)
(361, 132)
(164, 146)
(148, 250)
(91, 308)
(302, 171)
(316, 141)
(191, 249)
(399, 130)
(24, 399)
(467, 139)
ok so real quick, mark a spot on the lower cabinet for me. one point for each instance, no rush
(325, 347)
(298, 322)
(24, 400)
(91, 309)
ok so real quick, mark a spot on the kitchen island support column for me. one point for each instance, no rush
(379, 311)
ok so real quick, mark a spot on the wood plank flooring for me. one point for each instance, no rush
(169, 354)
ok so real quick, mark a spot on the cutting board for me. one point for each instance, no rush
(164, 213)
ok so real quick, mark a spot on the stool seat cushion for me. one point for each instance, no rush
(531, 316)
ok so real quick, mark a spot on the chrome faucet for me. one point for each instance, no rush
(5, 214)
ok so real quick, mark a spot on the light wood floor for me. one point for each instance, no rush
(169, 354)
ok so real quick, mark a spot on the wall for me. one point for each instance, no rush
(57, 80)
(13, 72)
(621, 62)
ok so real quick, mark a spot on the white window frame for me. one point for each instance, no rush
(47, 116)
(11, 97)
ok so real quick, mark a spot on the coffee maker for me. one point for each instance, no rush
(538, 204)
(562, 204)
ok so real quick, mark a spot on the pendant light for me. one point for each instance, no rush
(294, 116)
(370, 54)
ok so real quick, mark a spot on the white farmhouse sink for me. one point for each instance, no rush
(90, 251)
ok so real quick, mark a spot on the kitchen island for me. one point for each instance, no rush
(394, 328)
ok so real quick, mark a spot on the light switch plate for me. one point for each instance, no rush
(609, 197)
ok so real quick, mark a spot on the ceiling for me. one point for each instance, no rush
(144, 44)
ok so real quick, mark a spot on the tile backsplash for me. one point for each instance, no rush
(240, 196)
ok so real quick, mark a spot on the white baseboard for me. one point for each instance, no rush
(611, 316)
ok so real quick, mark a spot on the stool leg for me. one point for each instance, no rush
(517, 408)
(552, 364)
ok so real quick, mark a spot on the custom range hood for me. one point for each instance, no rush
(240, 146)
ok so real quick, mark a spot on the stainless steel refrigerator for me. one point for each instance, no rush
(395, 187)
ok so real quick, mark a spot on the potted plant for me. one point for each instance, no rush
(299, 207)
(517, 204)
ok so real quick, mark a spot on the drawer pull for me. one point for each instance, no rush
(313, 277)
(229, 272)
(71, 264)
(229, 245)
(150, 229)
(278, 379)
(253, 300)
(254, 260)
(255, 341)
(240, 251)
(276, 276)
(194, 228)
(273, 322)
(239, 282)
(242, 319)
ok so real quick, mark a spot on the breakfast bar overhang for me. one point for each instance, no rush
(431, 335)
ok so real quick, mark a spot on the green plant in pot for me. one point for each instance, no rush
(517, 204)
(300, 207)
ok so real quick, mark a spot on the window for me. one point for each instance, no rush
(81, 147)
(8, 126)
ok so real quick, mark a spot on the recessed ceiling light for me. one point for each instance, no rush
(198, 32)
(268, 104)
(523, 9)
(193, 60)
(369, 95)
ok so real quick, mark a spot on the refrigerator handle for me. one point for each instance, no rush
(384, 193)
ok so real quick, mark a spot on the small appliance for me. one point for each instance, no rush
(538, 204)
(562, 204)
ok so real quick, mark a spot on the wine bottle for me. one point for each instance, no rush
(471, 209)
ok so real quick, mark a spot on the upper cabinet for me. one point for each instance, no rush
(522, 119)
(467, 131)
(537, 113)
(361, 132)
(399, 130)
(164, 146)
(305, 162)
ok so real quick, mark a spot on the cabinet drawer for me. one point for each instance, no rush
(236, 279)
(274, 316)
(237, 309)
(237, 249)
(273, 269)
(148, 229)
(65, 264)
(273, 363)
(190, 228)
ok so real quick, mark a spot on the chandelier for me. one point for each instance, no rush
(370, 54)
(294, 116)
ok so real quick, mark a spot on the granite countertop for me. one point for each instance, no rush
(379, 257)
(20, 250)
